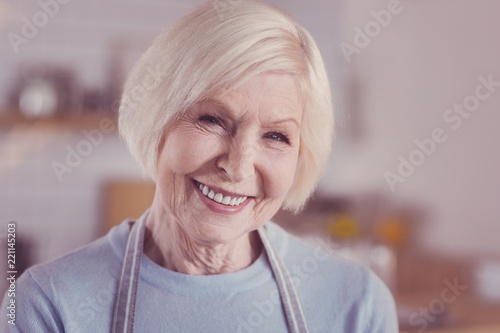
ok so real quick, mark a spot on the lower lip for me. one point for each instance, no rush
(220, 208)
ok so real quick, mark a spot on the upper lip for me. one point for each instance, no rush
(221, 191)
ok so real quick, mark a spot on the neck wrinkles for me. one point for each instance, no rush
(171, 247)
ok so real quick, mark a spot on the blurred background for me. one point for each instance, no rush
(412, 187)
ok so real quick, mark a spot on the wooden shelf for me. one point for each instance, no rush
(83, 120)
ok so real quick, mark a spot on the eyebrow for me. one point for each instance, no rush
(286, 120)
(224, 106)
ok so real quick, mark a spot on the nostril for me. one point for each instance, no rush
(238, 163)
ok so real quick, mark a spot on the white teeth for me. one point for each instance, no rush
(226, 200)
(219, 197)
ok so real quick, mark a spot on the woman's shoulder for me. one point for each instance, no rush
(314, 254)
(319, 259)
(78, 284)
(96, 263)
(320, 256)
(89, 259)
(340, 285)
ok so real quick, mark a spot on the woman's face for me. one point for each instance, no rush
(227, 164)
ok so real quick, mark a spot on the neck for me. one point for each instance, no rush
(170, 246)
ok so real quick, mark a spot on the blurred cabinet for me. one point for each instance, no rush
(126, 200)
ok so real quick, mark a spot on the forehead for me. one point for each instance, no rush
(271, 95)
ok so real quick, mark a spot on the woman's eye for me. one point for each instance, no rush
(210, 120)
(275, 136)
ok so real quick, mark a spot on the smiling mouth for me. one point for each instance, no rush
(220, 198)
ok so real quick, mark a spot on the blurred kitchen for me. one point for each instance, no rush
(412, 188)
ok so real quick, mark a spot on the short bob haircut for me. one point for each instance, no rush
(221, 44)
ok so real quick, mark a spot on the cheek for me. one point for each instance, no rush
(184, 153)
(279, 175)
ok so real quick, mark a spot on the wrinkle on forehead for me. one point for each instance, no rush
(283, 101)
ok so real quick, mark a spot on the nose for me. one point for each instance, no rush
(238, 161)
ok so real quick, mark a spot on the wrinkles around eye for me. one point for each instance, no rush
(211, 124)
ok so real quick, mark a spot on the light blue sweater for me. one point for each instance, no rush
(75, 293)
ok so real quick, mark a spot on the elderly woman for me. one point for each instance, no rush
(229, 112)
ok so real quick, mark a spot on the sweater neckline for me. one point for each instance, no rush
(258, 273)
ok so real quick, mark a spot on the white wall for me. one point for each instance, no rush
(57, 211)
(428, 58)
(81, 35)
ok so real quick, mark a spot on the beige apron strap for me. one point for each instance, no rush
(124, 308)
(289, 299)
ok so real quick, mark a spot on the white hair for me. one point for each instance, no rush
(221, 46)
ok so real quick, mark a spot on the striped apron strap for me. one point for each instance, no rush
(289, 299)
(124, 307)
